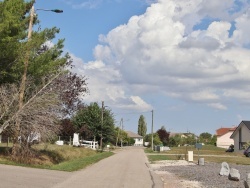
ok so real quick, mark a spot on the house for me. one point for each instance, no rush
(223, 137)
(138, 138)
(183, 135)
(241, 135)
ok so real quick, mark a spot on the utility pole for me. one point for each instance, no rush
(152, 131)
(24, 76)
(121, 129)
(102, 124)
(26, 62)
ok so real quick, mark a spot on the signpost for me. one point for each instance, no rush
(198, 146)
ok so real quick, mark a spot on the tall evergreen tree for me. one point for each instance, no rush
(142, 126)
(13, 34)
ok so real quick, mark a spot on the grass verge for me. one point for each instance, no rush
(209, 153)
(80, 163)
(54, 157)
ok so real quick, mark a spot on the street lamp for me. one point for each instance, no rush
(26, 62)
(52, 10)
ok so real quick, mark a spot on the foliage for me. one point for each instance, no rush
(89, 120)
(67, 128)
(51, 91)
(131, 141)
(213, 140)
(122, 137)
(163, 135)
(13, 27)
(246, 145)
(175, 140)
(182, 139)
(156, 139)
(205, 138)
(142, 126)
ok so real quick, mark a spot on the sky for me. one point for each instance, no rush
(182, 64)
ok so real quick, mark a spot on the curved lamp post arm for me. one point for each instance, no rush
(51, 10)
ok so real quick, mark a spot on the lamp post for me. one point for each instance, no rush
(26, 62)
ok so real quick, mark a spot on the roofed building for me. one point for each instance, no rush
(138, 138)
(223, 137)
(241, 135)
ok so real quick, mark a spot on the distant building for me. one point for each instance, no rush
(223, 137)
(183, 135)
(138, 138)
(241, 135)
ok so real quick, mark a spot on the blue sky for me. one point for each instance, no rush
(188, 60)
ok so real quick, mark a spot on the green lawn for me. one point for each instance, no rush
(54, 157)
(209, 153)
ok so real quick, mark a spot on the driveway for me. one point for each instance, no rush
(128, 168)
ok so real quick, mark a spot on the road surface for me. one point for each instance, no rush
(126, 169)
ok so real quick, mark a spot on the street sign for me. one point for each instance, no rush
(198, 145)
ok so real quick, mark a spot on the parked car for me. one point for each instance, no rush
(231, 148)
(247, 152)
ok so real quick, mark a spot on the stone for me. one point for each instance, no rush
(224, 171)
(234, 174)
(247, 181)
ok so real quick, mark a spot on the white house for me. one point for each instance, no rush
(138, 138)
(223, 137)
(241, 135)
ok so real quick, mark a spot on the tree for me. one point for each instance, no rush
(213, 140)
(39, 115)
(51, 91)
(89, 118)
(205, 137)
(156, 139)
(163, 135)
(122, 137)
(13, 29)
(175, 140)
(142, 126)
(67, 128)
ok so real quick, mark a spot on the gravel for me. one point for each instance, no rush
(208, 174)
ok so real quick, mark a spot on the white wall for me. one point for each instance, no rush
(224, 141)
(138, 142)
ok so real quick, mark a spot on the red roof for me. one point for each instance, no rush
(222, 131)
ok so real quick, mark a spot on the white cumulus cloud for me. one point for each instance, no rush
(163, 51)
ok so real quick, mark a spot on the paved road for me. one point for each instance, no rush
(126, 169)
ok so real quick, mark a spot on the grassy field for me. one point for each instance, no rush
(209, 153)
(63, 158)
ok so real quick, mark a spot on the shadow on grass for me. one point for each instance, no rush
(55, 157)
(5, 151)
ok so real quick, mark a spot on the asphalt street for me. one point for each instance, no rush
(128, 168)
